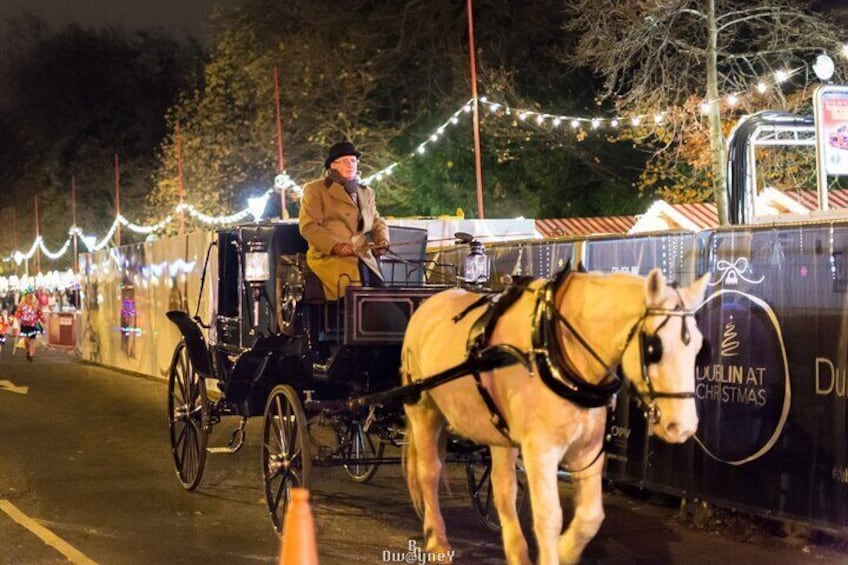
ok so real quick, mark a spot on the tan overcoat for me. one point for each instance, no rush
(329, 216)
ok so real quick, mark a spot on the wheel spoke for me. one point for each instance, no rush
(184, 449)
(182, 376)
(188, 461)
(358, 448)
(370, 440)
(280, 491)
(188, 413)
(285, 451)
(291, 429)
(279, 425)
(484, 478)
(272, 441)
(181, 436)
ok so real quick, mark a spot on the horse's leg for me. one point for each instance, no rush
(541, 462)
(426, 427)
(588, 513)
(505, 490)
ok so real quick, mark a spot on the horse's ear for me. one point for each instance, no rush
(655, 286)
(699, 289)
(564, 272)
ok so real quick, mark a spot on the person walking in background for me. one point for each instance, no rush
(31, 319)
(5, 326)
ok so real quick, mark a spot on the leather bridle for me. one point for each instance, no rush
(650, 352)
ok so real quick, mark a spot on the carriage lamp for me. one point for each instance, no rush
(257, 271)
(476, 264)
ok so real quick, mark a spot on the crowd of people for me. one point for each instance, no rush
(23, 315)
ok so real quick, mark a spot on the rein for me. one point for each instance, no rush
(551, 360)
(593, 395)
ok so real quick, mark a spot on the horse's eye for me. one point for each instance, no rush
(652, 348)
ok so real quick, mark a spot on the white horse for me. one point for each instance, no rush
(574, 331)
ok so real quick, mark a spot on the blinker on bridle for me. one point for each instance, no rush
(651, 352)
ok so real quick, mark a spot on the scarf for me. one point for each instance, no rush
(350, 186)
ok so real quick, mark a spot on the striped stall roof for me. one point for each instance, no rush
(809, 198)
(702, 214)
(559, 227)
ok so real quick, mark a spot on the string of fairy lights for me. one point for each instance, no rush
(256, 205)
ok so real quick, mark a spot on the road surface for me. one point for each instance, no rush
(86, 475)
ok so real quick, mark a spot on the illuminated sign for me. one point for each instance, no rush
(831, 111)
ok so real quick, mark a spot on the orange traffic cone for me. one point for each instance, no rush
(299, 531)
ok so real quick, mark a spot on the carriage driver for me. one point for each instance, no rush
(336, 214)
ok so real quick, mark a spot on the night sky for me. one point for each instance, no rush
(177, 17)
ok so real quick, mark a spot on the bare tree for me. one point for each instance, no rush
(655, 54)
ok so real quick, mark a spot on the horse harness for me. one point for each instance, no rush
(548, 355)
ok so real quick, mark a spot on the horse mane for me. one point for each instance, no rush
(621, 294)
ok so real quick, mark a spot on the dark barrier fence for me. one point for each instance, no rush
(772, 399)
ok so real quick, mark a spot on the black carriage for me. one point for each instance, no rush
(276, 348)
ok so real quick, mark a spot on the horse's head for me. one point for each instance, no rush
(659, 358)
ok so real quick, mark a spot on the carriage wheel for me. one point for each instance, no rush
(359, 444)
(286, 461)
(478, 472)
(188, 415)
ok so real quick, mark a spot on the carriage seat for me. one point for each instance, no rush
(293, 270)
(405, 265)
